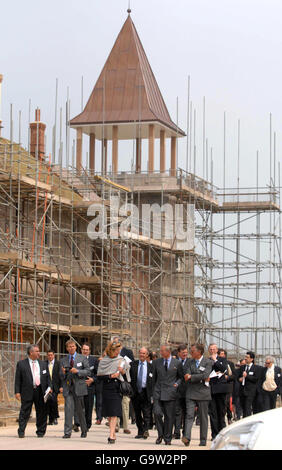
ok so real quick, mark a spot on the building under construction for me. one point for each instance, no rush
(58, 280)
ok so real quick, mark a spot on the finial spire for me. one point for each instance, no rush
(129, 9)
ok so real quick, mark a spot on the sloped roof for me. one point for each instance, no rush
(126, 90)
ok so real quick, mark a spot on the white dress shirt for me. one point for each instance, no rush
(37, 371)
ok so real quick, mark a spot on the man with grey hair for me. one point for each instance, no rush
(270, 383)
(167, 376)
(31, 382)
(141, 373)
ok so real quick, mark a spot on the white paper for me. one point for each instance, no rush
(48, 391)
(79, 364)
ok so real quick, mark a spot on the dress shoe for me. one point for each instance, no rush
(117, 429)
(167, 443)
(83, 434)
(202, 443)
(55, 421)
(176, 436)
(40, 435)
(185, 441)
(127, 431)
(146, 434)
(98, 421)
(66, 436)
(139, 436)
(50, 423)
(111, 441)
(75, 428)
(21, 436)
(133, 421)
(159, 440)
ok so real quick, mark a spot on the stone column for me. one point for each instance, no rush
(79, 149)
(115, 150)
(92, 153)
(173, 157)
(151, 147)
(162, 151)
(138, 154)
(104, 156)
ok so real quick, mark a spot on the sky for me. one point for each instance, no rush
(230, 49)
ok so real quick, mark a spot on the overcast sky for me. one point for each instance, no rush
(230, 48)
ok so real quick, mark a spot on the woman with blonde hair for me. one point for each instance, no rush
(111, 369)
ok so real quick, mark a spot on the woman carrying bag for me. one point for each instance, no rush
(111, 369)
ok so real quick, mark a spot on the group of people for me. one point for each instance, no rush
(169, 392)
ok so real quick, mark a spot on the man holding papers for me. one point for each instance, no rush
(196, 374)
(31, 383)
(219, 389)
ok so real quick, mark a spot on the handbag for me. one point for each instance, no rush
(125, 388)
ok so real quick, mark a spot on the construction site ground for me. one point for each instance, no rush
(96, 439)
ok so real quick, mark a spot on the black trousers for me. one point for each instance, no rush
(180, 414)
(228, 409)
(52, 407)
(142, 408)
(41, 412)
(98, 400)
(258, 402)
(164, 412)
(217, 409)
(246, 404)
(88, 405)
(269, 400)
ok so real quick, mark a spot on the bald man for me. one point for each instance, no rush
(141, 373)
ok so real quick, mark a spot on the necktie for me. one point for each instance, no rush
(51, 369)
(140, 378)
(197, 363)
(166, 365)
(35, 375)
(71, 362)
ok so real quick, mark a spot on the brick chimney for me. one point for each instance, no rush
(37, 137)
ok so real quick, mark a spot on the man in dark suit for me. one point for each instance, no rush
(230, 378)
(74, 371)
(236, 388)
(180, 405)
(168, 374)
(31, 382)
(257, 404)
(52, 403)
(219, 390)
(270, 383)
(91, 382)
(141, 373)
(248, 378)
(196, 373)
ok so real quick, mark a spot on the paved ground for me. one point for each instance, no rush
(96, 439)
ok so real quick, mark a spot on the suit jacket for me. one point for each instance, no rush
(219, 385)
(79, 384)
(181, 390)
(250, 387)
(93, 366)
(24, 380)
(56, 379)
(164, 381)
(196, 388)
(277, 378)
(149, 383)
(127, 352)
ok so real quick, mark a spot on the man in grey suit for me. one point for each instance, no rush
(196, 373)
(167, 376)
(74, 372)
